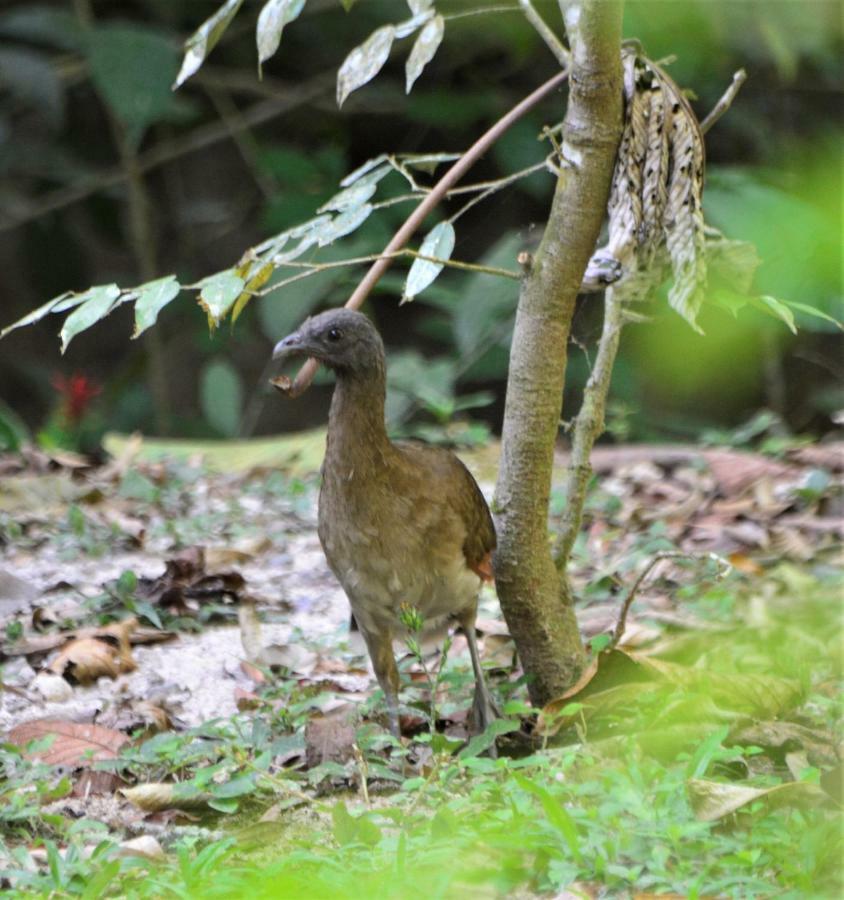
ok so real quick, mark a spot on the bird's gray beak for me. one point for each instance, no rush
(289, 346)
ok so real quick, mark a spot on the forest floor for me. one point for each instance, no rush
(187, 714)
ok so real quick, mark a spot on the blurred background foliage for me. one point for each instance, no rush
(106, 175)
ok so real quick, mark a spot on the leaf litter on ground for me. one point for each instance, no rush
(696, 657)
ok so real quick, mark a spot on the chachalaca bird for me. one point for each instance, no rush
(400, 523)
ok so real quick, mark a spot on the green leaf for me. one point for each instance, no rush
(13, 430)
(732, 263)
(418, 7)
(132, 68)
(221, 396)
(555, 812)
(360, 171)
(729, 300)
(349, 829)
(345, 223)
(152, 298)
(364, 62)
(224, 804)
(237, 787)
(127, 583)
(219, 293)
(776, 308)
(482, 742)
(706, 752)
(352, 197)
(96, 304)
(813, 311)
(148, 611)
(406, 28)
(56, 305)
(423, 51)
(271, 21)
(205, 38)
(439, 242)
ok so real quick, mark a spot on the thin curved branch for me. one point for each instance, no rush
(554, 44)
(403, 235)
(316, 268)
(725, 102)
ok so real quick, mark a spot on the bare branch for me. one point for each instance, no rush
(725, 102)
(315, 268)
(494, 187)
(588, 426)
(403, 235)
(554, 44)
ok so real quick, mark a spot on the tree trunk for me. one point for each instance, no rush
(536, 599)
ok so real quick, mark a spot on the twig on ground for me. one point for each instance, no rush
(723, 568)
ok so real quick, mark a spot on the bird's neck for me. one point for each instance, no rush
(357, 437)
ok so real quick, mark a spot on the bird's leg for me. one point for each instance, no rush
(380, 646)
(483, 708)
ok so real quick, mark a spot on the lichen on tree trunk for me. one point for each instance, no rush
(535, 597)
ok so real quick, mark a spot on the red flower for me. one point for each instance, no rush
(76, 393)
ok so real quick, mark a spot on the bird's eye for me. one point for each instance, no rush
(334, 334)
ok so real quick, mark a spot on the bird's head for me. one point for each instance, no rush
(341, 339)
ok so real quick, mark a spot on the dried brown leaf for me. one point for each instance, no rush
(145, 845)
(91, 783)
(329, 738)
(712, 800)
(74, 744)
(736, 472)
(294, 657)
(823, 456)
(157, 796)
(86, 659)
(614, 677)
(245, 700)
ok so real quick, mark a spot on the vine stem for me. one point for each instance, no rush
(415, 219)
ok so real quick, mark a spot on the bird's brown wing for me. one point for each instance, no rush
(454, 483)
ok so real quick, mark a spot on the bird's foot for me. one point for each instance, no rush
(484, 713)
